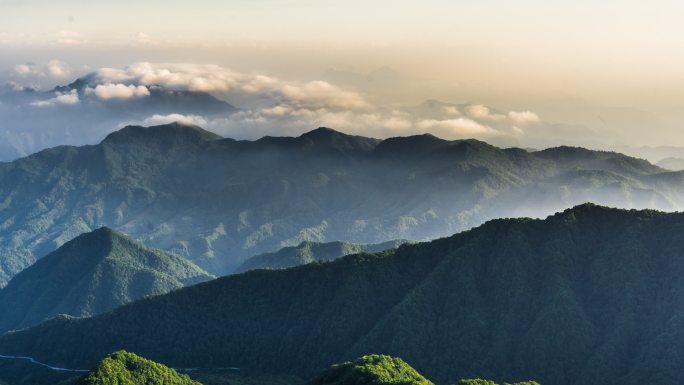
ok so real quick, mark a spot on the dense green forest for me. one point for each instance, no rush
(371, 370)
(307, 252)
(589, 295)
(92, 274)
(219, 201)
(123, 368)
(479, 381)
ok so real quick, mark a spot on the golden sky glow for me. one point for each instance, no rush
(612, 66)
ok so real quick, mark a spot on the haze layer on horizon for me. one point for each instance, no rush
(609, 70)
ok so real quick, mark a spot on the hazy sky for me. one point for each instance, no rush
(612, 69)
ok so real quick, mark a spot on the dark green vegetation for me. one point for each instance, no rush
(308, 252)
(126, 368)
(479, 381)
(123, 368)
(92, 274)
(219, 201)
(22, 372)
(371, 370)
(590, 295)
(231, 377)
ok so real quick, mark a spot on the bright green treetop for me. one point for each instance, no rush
(123, 368)
(372, 369)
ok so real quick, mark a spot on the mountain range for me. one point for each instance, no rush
(218, 201)
(92, 274)
(588, 295)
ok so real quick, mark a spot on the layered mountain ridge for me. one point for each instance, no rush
(218, 201)
(589, 295)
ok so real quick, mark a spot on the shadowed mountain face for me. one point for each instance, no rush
(218, 201)
(308, 252)
(590, 295)
(92, 274)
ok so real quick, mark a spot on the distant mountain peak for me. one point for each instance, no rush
(416, 145)
(325, 138)
(177, 130)
(322, 132)
(91, 274)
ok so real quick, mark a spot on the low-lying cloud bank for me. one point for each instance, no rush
(272, 106)
(154, 93)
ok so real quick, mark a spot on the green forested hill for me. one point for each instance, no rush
(218, 201)
(379, 369)
(371, 370)
(123, 368)
(94, 273)
(307, 252)
(587, 296)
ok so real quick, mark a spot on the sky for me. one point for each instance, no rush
(599, 74)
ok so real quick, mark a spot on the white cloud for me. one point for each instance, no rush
(28, 69)
(118, 91)
(481, 112)
(320, 93)
(69, 98)
(54, 68)
(456, 127)
(517, 131)
(452, 110)
(178, 77)
(259, 83)
(22, 69)
(143, 38)
(213, 78)
(156, 120)
(68, 38)
(279, 110)
(58, 69)
(17, 87)
(523, 117)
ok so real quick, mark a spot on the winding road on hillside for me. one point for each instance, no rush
(36, 362)
(58, 369)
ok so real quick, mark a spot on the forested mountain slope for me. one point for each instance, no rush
(308, 252)
(92, 274)
(218, 201)
(589, 295)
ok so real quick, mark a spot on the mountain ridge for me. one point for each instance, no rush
(487, 302)
(217, 201)
(310, 252)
